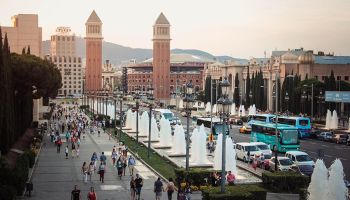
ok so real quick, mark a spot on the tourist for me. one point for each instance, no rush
(92, 194)
(91, 170)
(188, 191)
(114, 156)
(124, 161)
(214, 179)
(84, 170)
(59, 143)
(119, 166)
(94, 158)
(73, 150)
(158, 188)
(170, 188)
(138, 184)
(66, 151)
(67, 136)
(132, 188)
(103, 158)
(75, 194)
(131, 164)
(230, 178)
(101, 171)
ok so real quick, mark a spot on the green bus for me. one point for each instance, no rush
(287, 136)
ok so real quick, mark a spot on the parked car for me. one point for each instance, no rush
(243, 148)
(299, 158)
(283, 164)
(325, 136)
(245, 130)
(264, 148)
(306, 170)
(263, 162)
(340, 138)
(314, 133)
(236, 121)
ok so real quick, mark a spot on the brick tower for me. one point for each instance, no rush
(93, 71)
(161, 58)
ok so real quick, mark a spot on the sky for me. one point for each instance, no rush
(237, 28)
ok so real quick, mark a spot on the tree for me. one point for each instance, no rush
(236, 91)
(207, 89)
(247, 91)
(28, 50)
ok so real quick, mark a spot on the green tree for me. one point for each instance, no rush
(247, 91)
(236, 91)
(207, 89)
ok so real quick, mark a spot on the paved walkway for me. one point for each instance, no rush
(55, 176)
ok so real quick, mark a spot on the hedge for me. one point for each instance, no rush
(244, 119)
(31, 157)
(7, 192)
(237, 192)
(284, 181)
(196, 176)
(303, 194)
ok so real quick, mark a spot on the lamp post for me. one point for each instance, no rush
(303, 97)
(320, 101)
(250, 97)
(224, 108)
(150, 98)
(276, 122)
(93, 104)
(121, 96)
(312, 99)
(286, 97)
(115, 108)
(188, 104)
(106, 102)
(137, 121)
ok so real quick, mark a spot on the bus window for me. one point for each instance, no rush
(303, 122)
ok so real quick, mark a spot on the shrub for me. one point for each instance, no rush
(196, 177)
(303, 193)
(31, 157)
(237, 192)
(284, 181)
(20, 173)
(244, 119)
(7, 192)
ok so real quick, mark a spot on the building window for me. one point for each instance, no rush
(346, 78)
(316, 77)
(338, 78)
(323, 78)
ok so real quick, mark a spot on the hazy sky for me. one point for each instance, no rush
(239, 28)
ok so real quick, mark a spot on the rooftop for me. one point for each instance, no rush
(93, 18)
(183, 58)
(162, 19)
(329, 60)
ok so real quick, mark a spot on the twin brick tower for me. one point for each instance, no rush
(161, 56)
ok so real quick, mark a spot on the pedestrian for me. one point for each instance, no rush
(119, 166)
(84, 170)
(75, 194)
(99, 133)
(138, 184)
(78, 151)
(132, 188)
(170, 188)
(131, 164)
(114, 156)
(59, 143)
(94, 158)
(92, 194)
(230, 178)
(66, 151)
(91, 170)
(73, 150)
(124, 161)
(158, 188)
(103, 158)
(101, 171)
(188, 191)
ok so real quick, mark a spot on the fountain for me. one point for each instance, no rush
(319, 180)
(165, 134)
(233, 109)
(243, 111)
(334, 120)
(144, 124)
(328, 119)
(128, 119)
(154, 130)
(208, 107)
(198, 149)
(179, 147)
(336, 186)
(230, 155)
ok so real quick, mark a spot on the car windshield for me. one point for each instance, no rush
(266, 156)
(328, 134)
(303, 158)
(285, 162)
(290, 137)
(263, 147)
(251, 148)
(168, 116)
(306, 168)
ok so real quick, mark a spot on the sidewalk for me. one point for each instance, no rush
(55, 176)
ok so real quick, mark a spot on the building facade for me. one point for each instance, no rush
(24, 32)
(93, 70)
(161, 58)
(63, 43)
(111, 77)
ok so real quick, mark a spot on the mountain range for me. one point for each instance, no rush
(117, 53)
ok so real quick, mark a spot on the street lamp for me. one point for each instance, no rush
(312, 99)
(320, 101)
(286, 97)
(224, 108)
(137, 121)
(121, 96)
(276, 122)
(250, 97)
(150, 98)
(188, 104)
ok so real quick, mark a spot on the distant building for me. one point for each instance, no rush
(24, 32)
(93, 70)
(111, 77)
(63, 56)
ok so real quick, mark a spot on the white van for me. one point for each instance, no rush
(300, 158)
(243, 148)
(166, 113)
(264, 148)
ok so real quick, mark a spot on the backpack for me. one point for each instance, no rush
(131, 161)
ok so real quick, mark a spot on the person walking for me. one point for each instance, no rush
(119, 166)
(114, 156)
(66, 151)
(59, 143)
(158, 188)
(138, 184)
(103, 158)
(91, 170)
(124, 161)
(101, 171)
(131, 164)
(94, 158)
(188, 191)
(75, 194)
(67, 136)
(84, 170)
(92, 194)
(132, 188)
(73, 150)
(170, 188)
